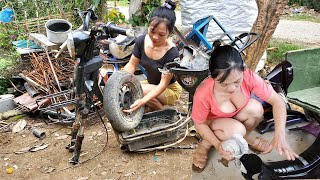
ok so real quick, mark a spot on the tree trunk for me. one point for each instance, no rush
(269, 12)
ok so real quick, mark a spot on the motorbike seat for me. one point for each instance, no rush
(300, 167)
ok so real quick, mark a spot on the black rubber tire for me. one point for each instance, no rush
(117, 97)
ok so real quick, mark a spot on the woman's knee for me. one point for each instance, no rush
(254, 109)
(226, 129)
(237, 128)
(147, 88)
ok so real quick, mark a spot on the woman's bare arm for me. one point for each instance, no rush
(132, 65)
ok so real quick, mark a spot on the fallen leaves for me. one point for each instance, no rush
(32, 148)
(19, 126)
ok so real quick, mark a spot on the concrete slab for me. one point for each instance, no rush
(298, 141)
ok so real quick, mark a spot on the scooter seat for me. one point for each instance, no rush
(306, 166)
(299, 168)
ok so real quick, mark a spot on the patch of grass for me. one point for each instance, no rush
(120, 2)
(277, 48)
(303, 17)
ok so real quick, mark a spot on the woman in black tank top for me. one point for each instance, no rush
(153, 51)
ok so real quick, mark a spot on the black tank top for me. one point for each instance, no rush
(151, 66)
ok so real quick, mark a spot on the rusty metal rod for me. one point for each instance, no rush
(33, 83)
(53, 71)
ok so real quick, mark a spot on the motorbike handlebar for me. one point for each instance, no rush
(113, 29)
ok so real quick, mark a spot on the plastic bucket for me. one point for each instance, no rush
(6, 102)
(57, 30)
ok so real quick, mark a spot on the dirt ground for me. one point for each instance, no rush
(112, 163)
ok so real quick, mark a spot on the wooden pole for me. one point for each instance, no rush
(38, 23)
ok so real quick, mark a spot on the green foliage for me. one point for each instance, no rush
(140, 18)
(9, 32)
(277, 50)
(4, 84)
(7, 65)
(120, 2)
(124, 2)
(8, 60)
(115, 16)
(26, 9)
(312, 4)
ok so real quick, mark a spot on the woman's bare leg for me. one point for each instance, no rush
(251, 115)
(155, 103)
(223, 128)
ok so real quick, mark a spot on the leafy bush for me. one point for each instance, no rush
(124, 2)
(140, 18)
(312, 4)
(9, 32)
(115, 16)
(7, 65)
(4, 84)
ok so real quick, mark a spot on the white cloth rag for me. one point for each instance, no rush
(237, 145)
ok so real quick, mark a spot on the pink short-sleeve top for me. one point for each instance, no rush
(205, 106)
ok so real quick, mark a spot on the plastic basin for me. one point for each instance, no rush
(57, 30)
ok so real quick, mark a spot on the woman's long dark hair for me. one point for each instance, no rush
(223, 60)
(165, 14)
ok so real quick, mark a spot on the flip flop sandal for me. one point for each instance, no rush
(202, 154)
(197, 169)
(259, 144)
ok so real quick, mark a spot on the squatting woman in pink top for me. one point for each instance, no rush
(222, 106)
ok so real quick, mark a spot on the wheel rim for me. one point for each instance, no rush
(126, 97)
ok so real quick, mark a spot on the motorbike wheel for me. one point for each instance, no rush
(121, 90)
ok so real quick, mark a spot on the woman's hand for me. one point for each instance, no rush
(138, 103)
(280, 144)
(224, 154)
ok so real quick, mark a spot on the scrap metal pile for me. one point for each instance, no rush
(48, 83)
(51, 79)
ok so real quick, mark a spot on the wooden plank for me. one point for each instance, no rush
(43, 41)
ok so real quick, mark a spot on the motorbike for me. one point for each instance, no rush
(83, 47)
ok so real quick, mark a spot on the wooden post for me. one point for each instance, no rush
(38, 23)
(62, 14)
(26, 22)
(49, 14)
